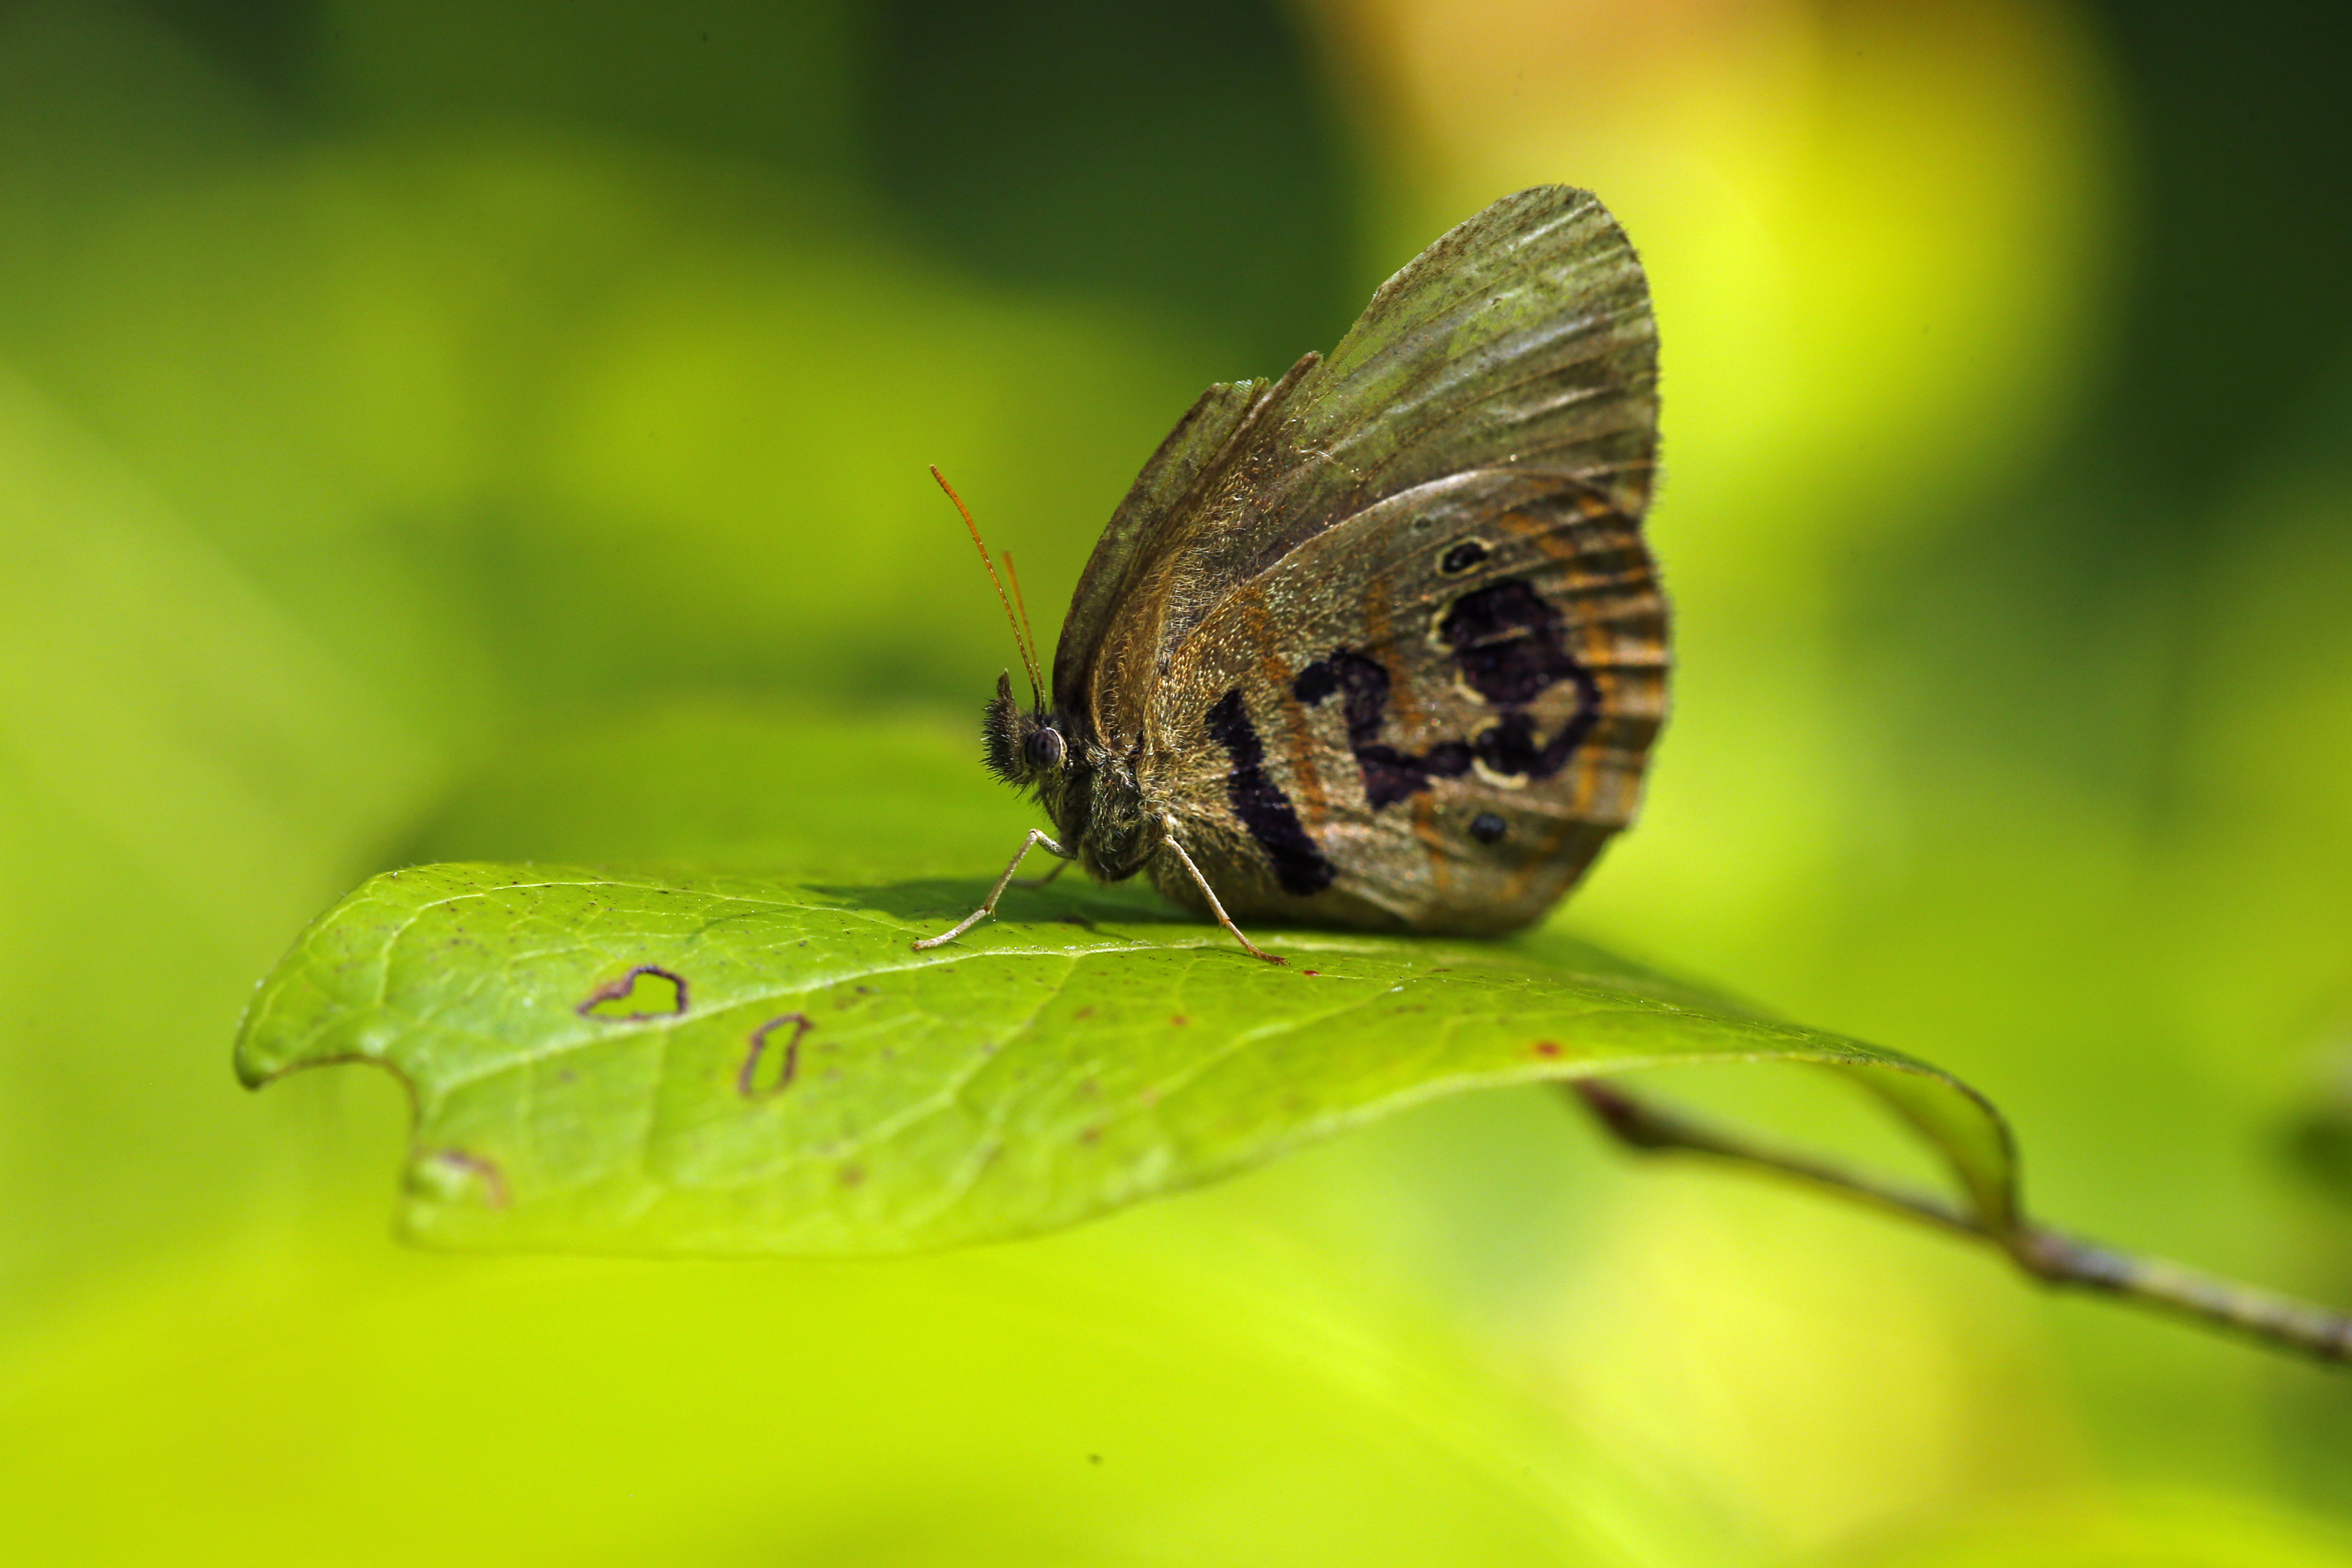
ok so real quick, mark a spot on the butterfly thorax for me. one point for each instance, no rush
(1100, 810)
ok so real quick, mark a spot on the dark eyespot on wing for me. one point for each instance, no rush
(1511, 747)
(1508, 645)
(1462, 556)
(1389, 774)
(1497, 610)
(1258, 801)
(1506, 640)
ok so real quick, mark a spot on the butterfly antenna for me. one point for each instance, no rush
(1028, 659)
(1023, 606)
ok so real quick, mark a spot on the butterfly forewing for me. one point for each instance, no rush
(1135, 536)
(1431, 716)
(1522, 338)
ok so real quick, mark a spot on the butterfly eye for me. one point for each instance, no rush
(1044, 748)
(1462, 556)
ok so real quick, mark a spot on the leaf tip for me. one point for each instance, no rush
(259, 1055)
(250, 1069)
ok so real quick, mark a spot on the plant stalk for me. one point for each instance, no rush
(2050, 1256)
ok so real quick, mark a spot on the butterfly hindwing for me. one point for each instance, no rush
(1522, 338)
(1431, 716)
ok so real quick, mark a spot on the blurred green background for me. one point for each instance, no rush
(399, 399)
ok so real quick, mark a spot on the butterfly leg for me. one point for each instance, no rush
(1059, 867)
(1036, 836)
(1215, 908)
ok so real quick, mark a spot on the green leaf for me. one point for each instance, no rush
(700, 1063)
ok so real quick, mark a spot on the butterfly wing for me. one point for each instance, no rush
(1522, 338)
(1430, 716)
(1203, 444)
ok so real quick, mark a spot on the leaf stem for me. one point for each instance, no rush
(2050, 1256)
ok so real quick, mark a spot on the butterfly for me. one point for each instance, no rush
(1378, 644)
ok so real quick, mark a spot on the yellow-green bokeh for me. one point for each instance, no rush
(386, 404)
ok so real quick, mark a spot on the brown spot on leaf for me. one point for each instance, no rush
(1178, 1019)
(487, 1172)
(852, 1175)
(1082, 1013)
(1547, 1048)
(783, 1062)
(645, 992)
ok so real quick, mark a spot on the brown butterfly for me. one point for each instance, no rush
(1378, 644)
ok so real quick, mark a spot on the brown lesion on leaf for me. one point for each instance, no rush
(646, 991)
(493, 1180)
(786, 1058)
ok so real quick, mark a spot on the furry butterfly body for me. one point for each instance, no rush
(1380, 644)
